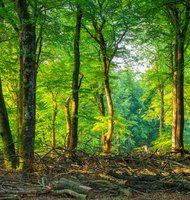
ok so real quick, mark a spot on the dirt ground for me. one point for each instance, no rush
(135, 176)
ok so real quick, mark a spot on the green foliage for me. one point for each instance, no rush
(163, 143)
(136, 98)
(127, 96)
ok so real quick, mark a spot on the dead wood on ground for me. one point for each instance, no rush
(88, 177)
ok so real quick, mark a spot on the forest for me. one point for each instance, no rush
(94, 99)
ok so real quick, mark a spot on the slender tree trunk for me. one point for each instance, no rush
(118, 141)
(73, 140)
(161, 95)
(27, 86)
(10, 158)
(161, 108)
(99, 96)
(20, 97)
(107, 138)
(54, 114)
(68, 122)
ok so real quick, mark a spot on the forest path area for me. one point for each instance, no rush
(135, 176)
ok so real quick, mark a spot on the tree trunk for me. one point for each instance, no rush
(161, 95)
(10, 158)
(68, 122)
(20, 97)
(73, 140)
(27, 86)
(161, 108)
(178, 99)
(180, 25)
(99, 97)
(54, 114)
(107, 138)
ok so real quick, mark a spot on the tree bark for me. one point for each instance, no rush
(54, 115)
(107, 138)
(180, 24)
(10, 158)
(27, 85)
(68, 122)
(106, 62)
(161, 108)
(99, 97)
(73, 140)
(20, 97)
(178, 100)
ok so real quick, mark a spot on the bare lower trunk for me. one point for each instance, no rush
(20, 97)
(174, 122)
(27, 86)
(54, 114)
(161, 108)
(178, 100)
(68, 122)
(107, 138)
(73, 140)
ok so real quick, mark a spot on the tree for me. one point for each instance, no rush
(28, 73)
(132, 129)
(178, 15)
(76, 83)
(10, 157)
(109, 29)
(171, 19)
(54, 115)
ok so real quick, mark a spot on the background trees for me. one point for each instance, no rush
(131, 53)
(109, 29)
(179, 17)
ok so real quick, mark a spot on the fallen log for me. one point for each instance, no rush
(73, 188)
(71, 193)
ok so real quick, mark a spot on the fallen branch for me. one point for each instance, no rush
(66, 186)
(72, 193)
(10, 197)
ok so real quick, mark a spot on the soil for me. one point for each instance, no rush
(138, 175)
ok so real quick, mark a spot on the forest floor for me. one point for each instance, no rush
(135, 176)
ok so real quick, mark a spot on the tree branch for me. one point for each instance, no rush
(80, 81)
(87, 30)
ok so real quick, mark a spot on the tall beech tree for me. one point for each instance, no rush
(27, 13)
(72, 134)
(10, 157)
(28, 73)
(108, 35)
(171, 19)
(178, 15)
